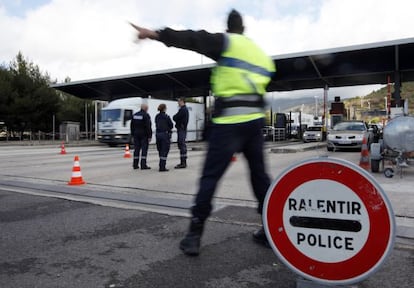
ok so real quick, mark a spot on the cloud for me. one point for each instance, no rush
(90, 39)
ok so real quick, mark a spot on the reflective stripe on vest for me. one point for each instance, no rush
(232, 111)
(238, 63)
(241, 76)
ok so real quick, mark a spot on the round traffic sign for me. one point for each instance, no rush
(329, 221)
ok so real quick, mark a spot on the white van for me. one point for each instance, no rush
(115, 119)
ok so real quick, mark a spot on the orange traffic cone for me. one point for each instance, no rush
(76, 173)
(127, 154)
(233, 158)
(62, 148)
(364, 160)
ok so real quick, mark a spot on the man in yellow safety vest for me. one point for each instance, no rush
(239, 84)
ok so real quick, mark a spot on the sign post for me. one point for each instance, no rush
(329, 221)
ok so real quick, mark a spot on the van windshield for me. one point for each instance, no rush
(110, 115)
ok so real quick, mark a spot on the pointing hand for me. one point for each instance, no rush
(144, 33)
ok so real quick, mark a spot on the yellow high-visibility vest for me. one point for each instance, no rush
(240, 79)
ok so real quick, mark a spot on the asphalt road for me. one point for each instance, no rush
(48, 242)
(51, 242)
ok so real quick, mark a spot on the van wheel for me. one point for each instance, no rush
(389, 172)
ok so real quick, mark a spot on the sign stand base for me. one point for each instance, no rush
(304, 283)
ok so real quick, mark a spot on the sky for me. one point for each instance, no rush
(87, 39)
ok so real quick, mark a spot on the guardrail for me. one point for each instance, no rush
(46, 136)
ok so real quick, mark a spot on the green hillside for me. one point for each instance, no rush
(375, 99)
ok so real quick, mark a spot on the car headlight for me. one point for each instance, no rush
(359, 137)
(318, 135)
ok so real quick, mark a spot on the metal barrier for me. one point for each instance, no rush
(279, 134)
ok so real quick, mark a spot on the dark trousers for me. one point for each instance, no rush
(140, 145)
(182, 135)
(223, 142)
(163, 147)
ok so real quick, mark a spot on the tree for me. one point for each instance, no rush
(29, 101)
(6, 92)
(72, 109)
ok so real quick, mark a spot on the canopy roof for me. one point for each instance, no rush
(346, 66)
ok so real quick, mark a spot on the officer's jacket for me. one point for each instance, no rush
(163, 123)
(242, 74)
(141, 124)
(181, 118)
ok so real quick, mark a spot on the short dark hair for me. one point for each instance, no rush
(235, 22)
(162, 107)
(181, 99)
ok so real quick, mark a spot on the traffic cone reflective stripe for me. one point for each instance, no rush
(364, 160)
(127, 154)
(62, 148)
(76, 173)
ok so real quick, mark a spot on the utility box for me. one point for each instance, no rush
(69, 131)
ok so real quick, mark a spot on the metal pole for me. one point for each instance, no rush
(90, 123)
(397, 80)
(96, 120)
(389, 98)
(86, 120)
(53, 127)
(271, 112)
(324, 120)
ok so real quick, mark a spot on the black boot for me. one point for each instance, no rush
(182, 165)
(144, 165)
(260, 237)
(191, 242)
(135, 164)
(162, 166)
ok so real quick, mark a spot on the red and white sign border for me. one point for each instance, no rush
(365, 262)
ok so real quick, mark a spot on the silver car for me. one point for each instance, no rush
(349, 135)
(312, 133)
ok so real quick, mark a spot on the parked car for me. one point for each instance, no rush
(312, 133)
(349, 135)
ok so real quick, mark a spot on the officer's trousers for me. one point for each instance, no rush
(140, 145)
(181, 136)
(224, 140)
(163, 147)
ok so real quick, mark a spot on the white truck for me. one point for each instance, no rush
(115, 119)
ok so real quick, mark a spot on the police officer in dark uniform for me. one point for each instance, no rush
(142, 132)
(239, 84)
(181, 122)
(164, 126)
